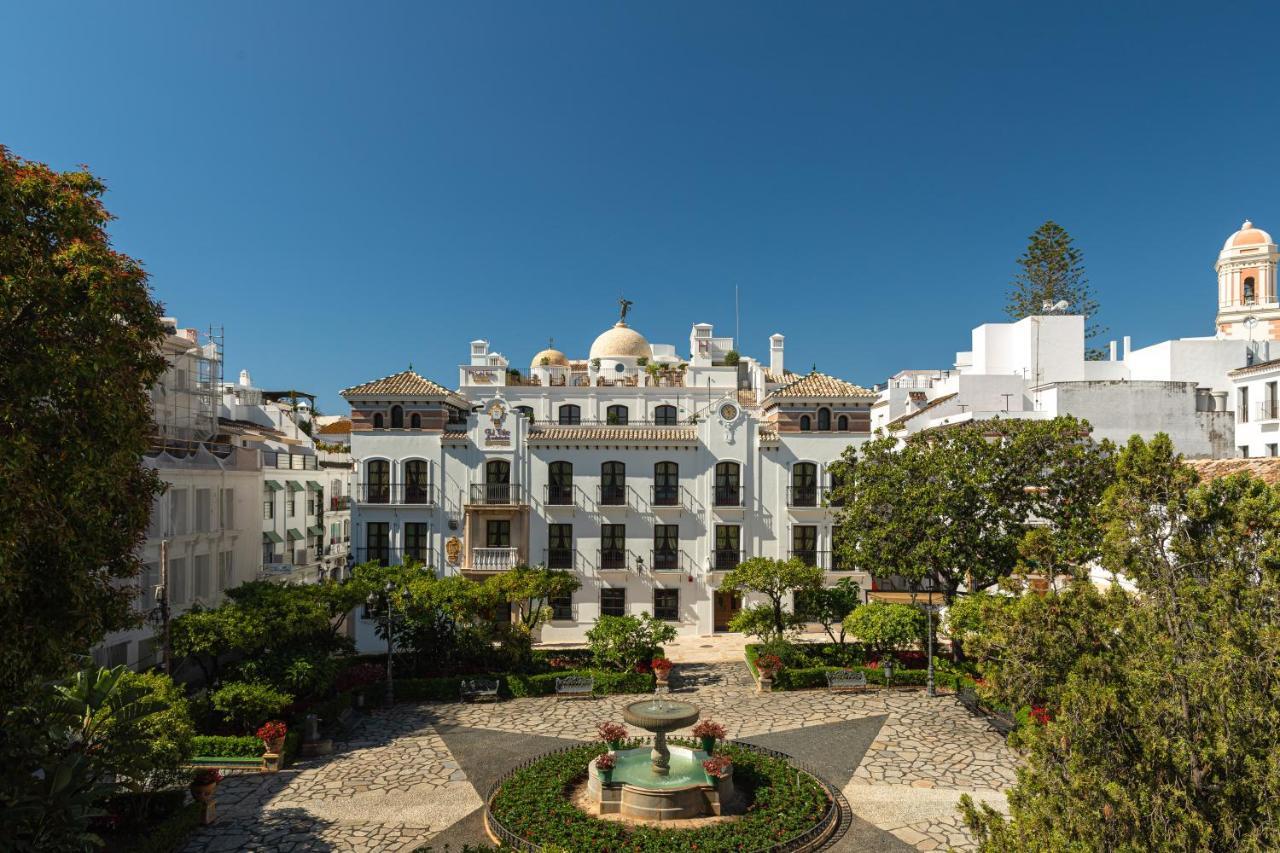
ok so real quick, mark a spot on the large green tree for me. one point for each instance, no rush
(1161, 715)
(775, 580)
(1050, 271)
(79, 351)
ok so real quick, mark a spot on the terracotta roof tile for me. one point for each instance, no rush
(787, 376)
(612, 433)
(342, 426)
(821, 385)
(933, 404)
(1266, 469)
(404, 384)
(747, 398)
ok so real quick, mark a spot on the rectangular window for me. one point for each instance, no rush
(728, 551)
(415, 541)
(804, 543)
(118, 655)
(562, 608)
(1244, 451)
(377, 540)
(1271, 449)
(204, 508)
(497, 533)
(1243, 415)
(613, 546)
(226, 571)
(147, 583)
(177, 581)
(227, 507)
(560, 546)
(1269, 401)
(291, 506)
(613, 602)
(311, 505)
(268, 505)
(666, 547)
(666, 604)
(178, 512)
(202, 576)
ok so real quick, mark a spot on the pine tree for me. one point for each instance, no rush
(1051, 271)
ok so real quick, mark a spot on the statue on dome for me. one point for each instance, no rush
(626, 306)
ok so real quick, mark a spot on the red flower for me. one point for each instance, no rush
(661, 665)
(709, 728)
(610, 732)
(272, 730)
(605, 762)
(1040, 715)
(718, 766)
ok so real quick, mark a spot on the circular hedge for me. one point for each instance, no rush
(789, 808)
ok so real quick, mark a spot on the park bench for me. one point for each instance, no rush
(479, 688)
(968, 697)
(575, 687)
(841, 680)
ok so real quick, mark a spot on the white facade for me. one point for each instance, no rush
(1257, 409)
(647, 475)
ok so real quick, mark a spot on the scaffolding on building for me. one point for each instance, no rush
(186, 398)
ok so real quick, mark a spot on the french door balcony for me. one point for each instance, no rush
(725, 560)
(613, 559)
(665, 560)
(496, 494)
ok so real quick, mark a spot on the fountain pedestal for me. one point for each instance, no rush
(661, 755)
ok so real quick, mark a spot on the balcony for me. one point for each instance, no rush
(494, 559)
(825, 560)
(728, 496)
(497, 494)
(560, 558)
(725, 559)
(1268, 410)
(804, 496)
(558, 495)
(612, 495)
(613, 559)
(666, 560)
(400, 494)
(665, 496)
(340, 504)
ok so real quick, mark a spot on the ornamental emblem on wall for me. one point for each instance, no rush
(453, 550)
(497, 413)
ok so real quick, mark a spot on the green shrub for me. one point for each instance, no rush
(532, 804)
(166, 836)
(606, 682)
(621, 642)
(248, 704)
(226, 746)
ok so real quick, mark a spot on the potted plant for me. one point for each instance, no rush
(709, 731)
(768, 666)
(604, 766)
(661, 669)
(204, 783)
(272, 733)
(718, 767)
(595, 364)
(612, 734)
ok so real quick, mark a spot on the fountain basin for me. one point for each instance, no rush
(660, 715)
(635, 790)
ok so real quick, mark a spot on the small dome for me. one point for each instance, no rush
(554, 358)
(621, 341)
(1247, 236)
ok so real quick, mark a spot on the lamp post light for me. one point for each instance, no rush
(930, 691)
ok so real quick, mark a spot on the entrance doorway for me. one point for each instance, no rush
(727, 605)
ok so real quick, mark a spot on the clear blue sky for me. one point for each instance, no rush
(351, 187)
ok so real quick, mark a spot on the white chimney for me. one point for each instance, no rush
(1113, 350)
(775, 355)
(1127, 344)
(245, 381)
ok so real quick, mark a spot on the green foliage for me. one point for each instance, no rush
(606, 682)
(79, 352)
(887, 627)
(828, 605)
(166, 836)
(761, 621)
(146, 752)
(621, 642)
(1162, 712)
(248, 704)
(774, 579)
(226, 746)
(530, 590)
(532, 804)
(731, 358)
(1049, 271)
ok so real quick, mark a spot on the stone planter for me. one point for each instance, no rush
(203, 793)
(766, 681)
(275, 746)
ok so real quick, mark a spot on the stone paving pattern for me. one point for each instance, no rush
(394, 784)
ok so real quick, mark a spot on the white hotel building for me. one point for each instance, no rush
(647, 474)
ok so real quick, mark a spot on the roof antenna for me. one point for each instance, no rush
(737, 324)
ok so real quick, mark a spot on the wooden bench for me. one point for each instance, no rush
(479, 688)
(575, 687)
(842, 680)
(968, 697)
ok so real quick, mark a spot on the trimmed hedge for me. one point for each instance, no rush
(811, 677)
(226, 746)
(531, 804)
(606, 682)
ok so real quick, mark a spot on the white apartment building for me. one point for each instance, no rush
(1257, 409)
(333, 446)
(647, 473)
(1036, 368)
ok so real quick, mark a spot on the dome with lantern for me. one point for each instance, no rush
(621, 342)
(1248, 235)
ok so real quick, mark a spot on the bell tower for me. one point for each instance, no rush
(1247, 305)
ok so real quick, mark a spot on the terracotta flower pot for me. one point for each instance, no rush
(203, 793)
(275, 745)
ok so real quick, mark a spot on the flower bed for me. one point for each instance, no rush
(532, 805)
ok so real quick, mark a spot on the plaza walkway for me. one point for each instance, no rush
(416, 774)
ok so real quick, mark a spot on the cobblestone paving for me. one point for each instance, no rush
(394, 784)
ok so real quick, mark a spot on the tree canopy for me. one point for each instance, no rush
(79, 351)
(774, 579)
(1051, 270)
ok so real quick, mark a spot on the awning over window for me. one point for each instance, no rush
(295, 486)
(271, 537)
(292, 533)
(314, 486)
(315, 530)
(273, 486)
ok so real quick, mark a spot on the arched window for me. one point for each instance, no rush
(497, 481)
(666, 484)
(613, 483)
(570, 415)
(728, 484)
(415, 421)
(824, 419)
(805, 423)
(804, 484)
(842, 423)
(397, 417)
(560, 484)
(1249, 291)
(416, 489)
(377, 481)
(616, 415)
(665, 416)
(377, 420)
(527, 411)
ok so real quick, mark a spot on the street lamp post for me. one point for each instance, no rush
(373, 603)
(929, 613)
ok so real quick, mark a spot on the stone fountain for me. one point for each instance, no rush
(662, 783)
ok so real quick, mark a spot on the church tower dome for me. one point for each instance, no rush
(1246, 267)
